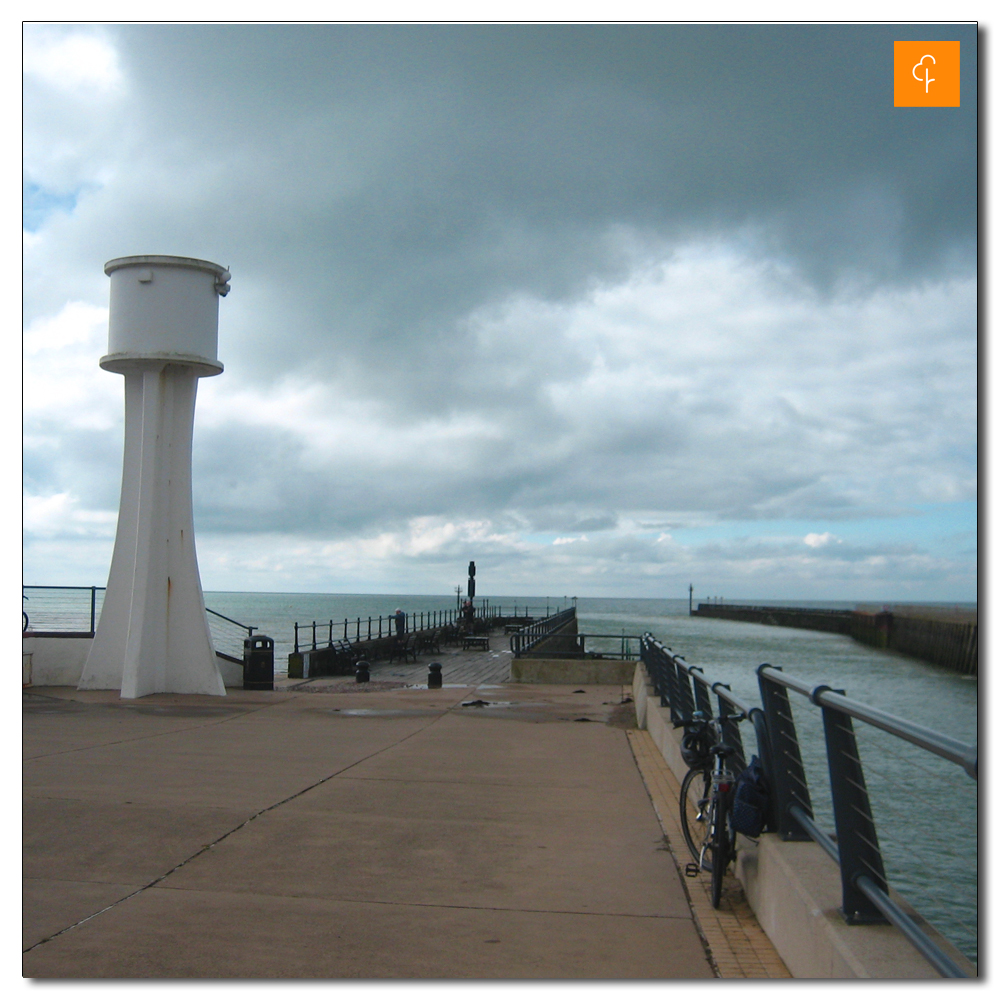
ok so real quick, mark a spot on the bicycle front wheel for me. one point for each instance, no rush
(696, 792)
(721, 845)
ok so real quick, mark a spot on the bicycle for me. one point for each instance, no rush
(706, 799)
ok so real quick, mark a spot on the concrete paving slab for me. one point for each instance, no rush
(217, 764)
(514, 864)
(48, 905)
(170, 933)
(487, 822)
(400, 820)
(115, 842)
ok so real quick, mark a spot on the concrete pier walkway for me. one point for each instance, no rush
(490, 831)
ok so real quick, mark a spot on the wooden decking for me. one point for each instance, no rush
(458, 667)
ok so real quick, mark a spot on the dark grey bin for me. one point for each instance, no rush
(258, 663)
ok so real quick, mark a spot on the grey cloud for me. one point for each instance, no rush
(397, 176)
(88, 462)
(413, 213)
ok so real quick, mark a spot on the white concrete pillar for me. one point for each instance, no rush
(153, 634)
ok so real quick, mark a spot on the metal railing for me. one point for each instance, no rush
(590, 645)
(518, 611)
(685, 689)
(228, 635)
(854, 847)
(315, 634)
(531, 635)
(69, 612)
(310, 635)
(73, 613)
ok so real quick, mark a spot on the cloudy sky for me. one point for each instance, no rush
(608, 309)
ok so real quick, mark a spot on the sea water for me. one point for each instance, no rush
(925, 808)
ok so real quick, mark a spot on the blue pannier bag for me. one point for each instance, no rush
(750, 800)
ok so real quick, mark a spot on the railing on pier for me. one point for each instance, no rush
(531, 635)
(587, 645)
(314, 635)
(854, 847)
(228, 635)
(73, 613)
(65, 612)
(359, 629)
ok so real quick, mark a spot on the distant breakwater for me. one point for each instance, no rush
(949, 641)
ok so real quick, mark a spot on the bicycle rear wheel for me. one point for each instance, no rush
(696, 792)
(721, 846)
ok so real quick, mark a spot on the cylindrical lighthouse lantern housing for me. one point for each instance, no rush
(164, 309)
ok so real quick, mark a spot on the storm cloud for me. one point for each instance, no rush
(599, 306)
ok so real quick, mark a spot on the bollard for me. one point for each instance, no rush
(361, 672)
(434, 675)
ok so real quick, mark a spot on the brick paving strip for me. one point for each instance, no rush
(738, 946)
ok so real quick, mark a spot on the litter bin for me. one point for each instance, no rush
(258, 663)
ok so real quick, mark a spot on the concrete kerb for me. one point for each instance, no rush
(531, 670)
(794, 888)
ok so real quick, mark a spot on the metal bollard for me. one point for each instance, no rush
(434, 675)
(361, 672)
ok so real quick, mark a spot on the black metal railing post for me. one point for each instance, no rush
(759, 722)
(730, 723)
(702, 699)
(857, 839)
(658, 663)
(679, 693)
(788, 776)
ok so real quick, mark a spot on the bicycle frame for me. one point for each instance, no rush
(717, 839)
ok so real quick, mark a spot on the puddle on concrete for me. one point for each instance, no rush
(185, 711)
(39, 704)
(383, 712)
(424, 687)
(42, 705)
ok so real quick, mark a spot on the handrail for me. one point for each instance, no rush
(250, 628)
(61, 612)
(364, 628)
(684, 688)
(530, 635)
(625, 652)
(966, 755)
(67, 612)
(667, 671)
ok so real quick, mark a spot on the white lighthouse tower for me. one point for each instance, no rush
(153, 635)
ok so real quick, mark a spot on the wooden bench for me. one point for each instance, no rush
(475, 642)
(347, 653)
(402, 648)
(333, 660)
(427, 643)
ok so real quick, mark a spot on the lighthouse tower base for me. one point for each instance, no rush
(153, 635)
